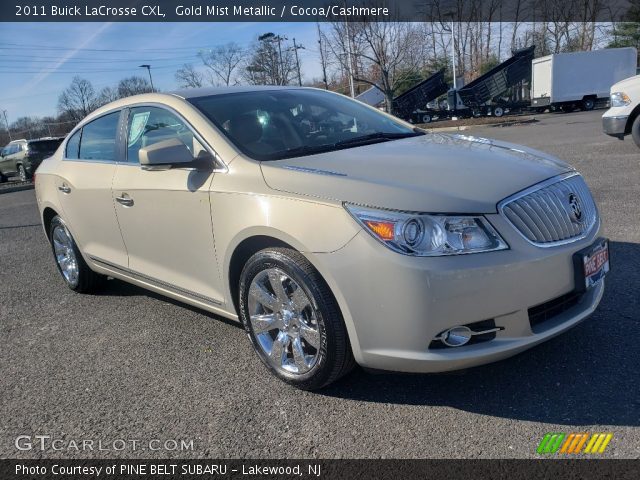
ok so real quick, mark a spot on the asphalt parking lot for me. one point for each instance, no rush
(128, 364)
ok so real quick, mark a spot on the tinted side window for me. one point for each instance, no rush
(99, 138)
(149, 125)
(73, 146)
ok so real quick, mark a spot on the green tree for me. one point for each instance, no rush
(627, 34)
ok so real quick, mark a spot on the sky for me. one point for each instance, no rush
(39, 60)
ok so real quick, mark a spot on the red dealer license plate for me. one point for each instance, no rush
(594, 263)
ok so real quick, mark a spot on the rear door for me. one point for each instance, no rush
(84, 189)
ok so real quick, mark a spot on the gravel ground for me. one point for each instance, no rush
(128, 364)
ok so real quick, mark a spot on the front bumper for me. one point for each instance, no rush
(395, 305)
(615, 126)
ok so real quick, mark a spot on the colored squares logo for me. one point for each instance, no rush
(574, 443)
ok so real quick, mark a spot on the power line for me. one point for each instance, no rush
(14, 46)
(51, 70)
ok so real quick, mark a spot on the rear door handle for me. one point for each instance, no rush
(125, 200)
(64, 189)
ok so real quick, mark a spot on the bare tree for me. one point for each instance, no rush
(107, 95)
(133, 86)
(270, 63)
(223, 62)
(78, 99)
(385, 53)
(188, 77)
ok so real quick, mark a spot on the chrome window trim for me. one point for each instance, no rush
(220, 168)
(540, 186)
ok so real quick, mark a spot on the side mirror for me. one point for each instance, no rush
(165, 155)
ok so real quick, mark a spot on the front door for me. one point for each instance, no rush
(165, 216)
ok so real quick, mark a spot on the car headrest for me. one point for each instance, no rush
(245, 128)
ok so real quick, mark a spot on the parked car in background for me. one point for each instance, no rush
(21, 157)
(623, 118)
(337, 234)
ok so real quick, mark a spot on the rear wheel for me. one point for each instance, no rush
(3, 178)
(293, 320)
(426, 118)
(22, 173)
(588, 104)
(498, 111)
(74, 270)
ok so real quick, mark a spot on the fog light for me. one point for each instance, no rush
(456, 336)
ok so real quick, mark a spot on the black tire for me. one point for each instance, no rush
(334, 356)
(498, 112)
(426, 118)
(588, 104)
(635, 131)
(88, 281)
(3, 178)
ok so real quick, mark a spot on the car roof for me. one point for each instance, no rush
(209, 91)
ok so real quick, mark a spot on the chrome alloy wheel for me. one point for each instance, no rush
(284, 322)
(65, 254)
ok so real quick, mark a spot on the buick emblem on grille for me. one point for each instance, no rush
(575, 209)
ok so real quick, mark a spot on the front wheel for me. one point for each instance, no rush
(293, 320)
(635, 131)
(74, 270)
(498, 111)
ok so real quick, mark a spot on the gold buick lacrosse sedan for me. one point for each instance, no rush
(337, 234)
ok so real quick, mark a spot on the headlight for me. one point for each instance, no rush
(620, 99)
(428, 235)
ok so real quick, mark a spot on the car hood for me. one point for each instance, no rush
(626, 83)
(439, 173)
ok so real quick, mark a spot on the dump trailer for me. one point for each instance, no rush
(567, 81)
(479, 94)
(412, 104)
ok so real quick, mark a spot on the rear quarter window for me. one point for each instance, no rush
(98, 140)
(73, 146)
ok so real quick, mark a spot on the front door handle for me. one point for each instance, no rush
(125, 200)
(64, 188)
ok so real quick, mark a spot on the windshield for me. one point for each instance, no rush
(276, 124)
(45, 145)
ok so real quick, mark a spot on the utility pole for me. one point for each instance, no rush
(352, 89)
(322, 61)
(4, 112)
(148, 67)
(295, 50)
(453, 55)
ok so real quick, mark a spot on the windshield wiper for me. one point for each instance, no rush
(326, 147)
(302, 150)
(376, 137)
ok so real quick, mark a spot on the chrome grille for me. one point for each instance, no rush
(559, 210)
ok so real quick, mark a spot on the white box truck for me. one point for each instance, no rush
(569, 80)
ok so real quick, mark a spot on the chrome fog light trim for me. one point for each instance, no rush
(461, 335)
